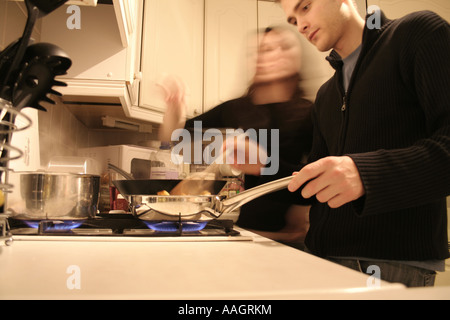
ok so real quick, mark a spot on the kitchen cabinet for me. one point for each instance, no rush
(200, 41)
(229, 29)
(398, 8)
(127, 19)
(172, 43)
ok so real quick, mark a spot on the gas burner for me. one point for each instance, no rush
(120, 225)
(48, 226)
(57, 228)
(169, 226)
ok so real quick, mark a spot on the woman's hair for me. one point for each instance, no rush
(281, 28)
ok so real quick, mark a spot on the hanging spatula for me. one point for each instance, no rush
(42, 63)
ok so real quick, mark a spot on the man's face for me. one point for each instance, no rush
(322, 22)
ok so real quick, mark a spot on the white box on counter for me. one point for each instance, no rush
(130, 158)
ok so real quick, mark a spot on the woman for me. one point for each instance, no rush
(273, 101)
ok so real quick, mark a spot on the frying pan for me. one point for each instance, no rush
(132, 186)
(152, 187)
(136, 191)
(188, 208)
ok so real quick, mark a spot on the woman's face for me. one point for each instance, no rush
(279, 56)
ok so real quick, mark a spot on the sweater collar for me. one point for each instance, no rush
(369, 37)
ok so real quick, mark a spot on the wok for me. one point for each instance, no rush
(187, 208)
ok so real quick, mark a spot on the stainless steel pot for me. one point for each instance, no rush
(57, 196)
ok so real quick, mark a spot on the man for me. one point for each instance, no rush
(380, 164)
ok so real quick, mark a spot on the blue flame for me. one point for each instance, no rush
(55, 226)
(168, 226)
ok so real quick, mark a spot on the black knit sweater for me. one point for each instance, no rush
(396, 128)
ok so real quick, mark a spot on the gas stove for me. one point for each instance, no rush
(125, 227)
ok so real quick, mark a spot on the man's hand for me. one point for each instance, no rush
(333, 180)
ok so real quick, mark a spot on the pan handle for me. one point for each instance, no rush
(125, 174)
(242, 198)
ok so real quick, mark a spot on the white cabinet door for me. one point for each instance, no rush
(204, 42)
(172, 44)
(398, 8)
(126, 19)
(228, 23)
(131, 33)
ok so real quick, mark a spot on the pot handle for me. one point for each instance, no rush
(243, 197)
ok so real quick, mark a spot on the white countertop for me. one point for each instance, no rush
(254, 268)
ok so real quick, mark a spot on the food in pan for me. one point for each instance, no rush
(165, 193)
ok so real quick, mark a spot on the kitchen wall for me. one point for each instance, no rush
(62, 134)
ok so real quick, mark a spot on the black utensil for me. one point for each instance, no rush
(47, 6)
(42, 63)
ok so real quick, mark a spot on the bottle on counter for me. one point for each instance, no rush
(233, 187)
